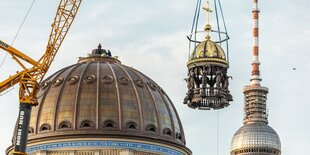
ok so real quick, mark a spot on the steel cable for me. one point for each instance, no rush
(19, 29)
(194, 25)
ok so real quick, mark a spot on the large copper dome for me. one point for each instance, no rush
(100, 97)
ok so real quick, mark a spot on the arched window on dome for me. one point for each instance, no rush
(87, 124)
(179, 137)
(151, 128)
(167, 132)
(45, 127)
(132, 125)
(65, 125)
(109, 124)
(30, 130)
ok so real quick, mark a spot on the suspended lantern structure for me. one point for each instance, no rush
(207, 79)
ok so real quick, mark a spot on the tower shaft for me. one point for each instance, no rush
(255, 108)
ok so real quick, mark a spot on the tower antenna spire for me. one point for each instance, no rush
(255, 79)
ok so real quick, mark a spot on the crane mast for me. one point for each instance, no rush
(30, 78)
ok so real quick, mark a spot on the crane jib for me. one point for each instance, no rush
(29, 78)
(4, 44)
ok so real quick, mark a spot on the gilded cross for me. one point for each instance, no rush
(208, 11)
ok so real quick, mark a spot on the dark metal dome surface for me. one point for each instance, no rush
(100, 97)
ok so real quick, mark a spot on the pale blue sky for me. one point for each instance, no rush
(150, 36)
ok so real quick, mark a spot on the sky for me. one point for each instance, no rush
(150, 36)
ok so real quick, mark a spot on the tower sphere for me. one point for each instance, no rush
(256, 138)
(99, 103)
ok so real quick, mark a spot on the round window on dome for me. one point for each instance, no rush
(73, 79)
(107, 79)
(140, 83)
(45, 85)
(152, 85)
(58, 82)
(123, 81)
(90, 78)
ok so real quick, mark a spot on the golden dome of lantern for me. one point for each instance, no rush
(207, 80)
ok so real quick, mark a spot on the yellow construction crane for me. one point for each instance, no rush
(30, 78)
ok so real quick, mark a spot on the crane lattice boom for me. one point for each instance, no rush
(30, 78)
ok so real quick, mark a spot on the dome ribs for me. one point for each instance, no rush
(45, 116)
(165, 120)
(159, 123)
(170, 110)
(98, 97)
(67, 99)
(88, 96)
(177, 117)
(108, 100)
(128, 100)
(137, 97)
(118, 98)
(56, 121)
(171, 117)
(147, 106)
(76, 105)
(161, 93)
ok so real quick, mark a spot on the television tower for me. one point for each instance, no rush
(256, 136)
